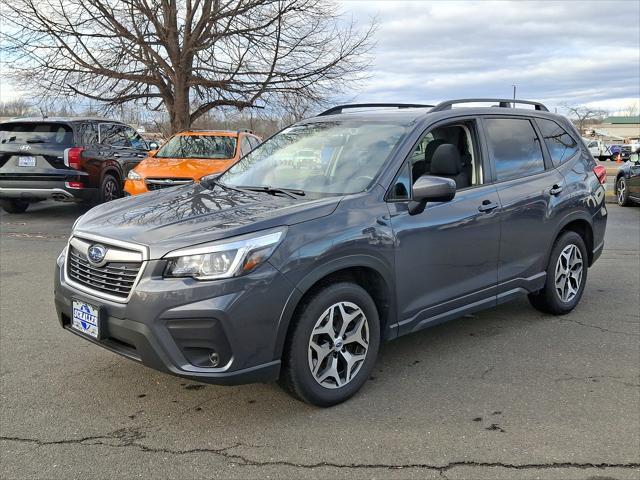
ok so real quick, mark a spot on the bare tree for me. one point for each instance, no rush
(584, 115)
(188, 56)
(15, 108)
(630, 110)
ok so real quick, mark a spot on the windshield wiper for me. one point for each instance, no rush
(214, 181)
(289, 192)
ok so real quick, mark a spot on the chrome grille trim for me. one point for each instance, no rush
(158, 183)
(113, 279)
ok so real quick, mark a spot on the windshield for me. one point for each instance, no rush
(339, 157)
(56, 133)
(199, 146)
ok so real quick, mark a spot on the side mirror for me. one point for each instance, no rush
(152, 153)
(154, 145)
(431, 189)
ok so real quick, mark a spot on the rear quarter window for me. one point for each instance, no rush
(515, 147)
(50, 133)
(560, 144)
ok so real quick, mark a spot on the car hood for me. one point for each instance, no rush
(178, 217)
(194, 168)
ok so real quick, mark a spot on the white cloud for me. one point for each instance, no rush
(558, 52)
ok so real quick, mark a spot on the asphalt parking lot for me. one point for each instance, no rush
(508, 393)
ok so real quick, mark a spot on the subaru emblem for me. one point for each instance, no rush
(96, 253)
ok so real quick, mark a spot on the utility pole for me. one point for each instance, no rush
(514, 95)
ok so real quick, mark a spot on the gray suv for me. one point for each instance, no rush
(412, 216)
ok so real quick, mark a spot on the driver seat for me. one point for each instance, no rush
(447, 163)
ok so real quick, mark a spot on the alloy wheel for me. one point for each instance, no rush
(568, 273)
(338, 345)
(622, 190)
(110, 190)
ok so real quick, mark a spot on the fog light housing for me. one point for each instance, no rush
(214, 358)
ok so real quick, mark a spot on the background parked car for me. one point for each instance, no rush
(627, 186)
(72, 159)
(189, 156)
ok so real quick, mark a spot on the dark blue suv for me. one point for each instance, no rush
(415, 215)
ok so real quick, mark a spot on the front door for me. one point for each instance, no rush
(446, 256)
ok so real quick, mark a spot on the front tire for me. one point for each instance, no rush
(333, 345)
(566, 276)
(622, 192)
(14, 205)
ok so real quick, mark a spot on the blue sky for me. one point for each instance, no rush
(561, 53)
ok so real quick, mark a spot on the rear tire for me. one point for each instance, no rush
(566, 276)
(14, 205)
(622, 192)
(110, 189)
(326, 361)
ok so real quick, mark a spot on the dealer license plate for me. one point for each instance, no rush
(86, 318)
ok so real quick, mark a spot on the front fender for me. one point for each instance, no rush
(323, 271)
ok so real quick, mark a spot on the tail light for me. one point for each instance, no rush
(73, 157)
(601, 173)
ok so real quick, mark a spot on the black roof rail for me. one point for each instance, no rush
(339, 108)
(502, 102)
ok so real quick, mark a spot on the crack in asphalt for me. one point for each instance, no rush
(602, 329)
(35, 235)
(130, 438)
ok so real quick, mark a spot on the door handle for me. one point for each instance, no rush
(487, 206)
(116, 155)
(556, 189)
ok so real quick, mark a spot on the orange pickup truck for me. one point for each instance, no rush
(187, 157)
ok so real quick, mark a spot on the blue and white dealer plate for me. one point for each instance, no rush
(85, 318)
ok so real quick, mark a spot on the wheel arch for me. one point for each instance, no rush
(113, 171)
(580, 224)
(369, 272)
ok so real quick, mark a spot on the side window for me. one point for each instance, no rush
(462, 164)
(245, 146)
(560, 144)
(135, 140)
(113, 134)
(88, 133)
(515, 147)
(401, 189)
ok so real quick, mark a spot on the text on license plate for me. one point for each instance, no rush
(85, 318)
(26, 161)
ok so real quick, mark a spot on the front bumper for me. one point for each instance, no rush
(135, 187)
(172, 325)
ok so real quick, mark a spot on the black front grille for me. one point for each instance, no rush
(158, 183)
(114, 278)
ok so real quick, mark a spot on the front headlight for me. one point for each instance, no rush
(224, 259)
(133, 175)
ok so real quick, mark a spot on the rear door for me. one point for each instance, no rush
(528, 187)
